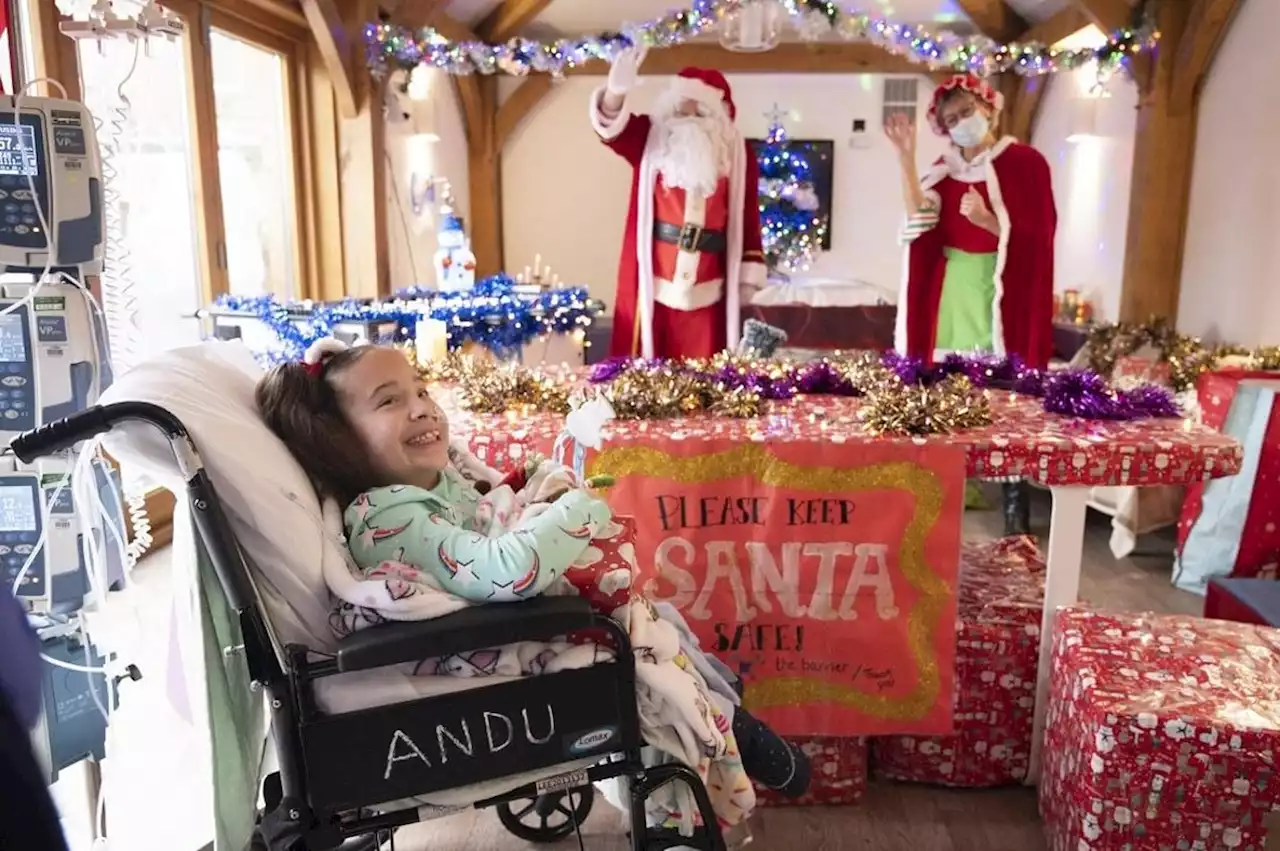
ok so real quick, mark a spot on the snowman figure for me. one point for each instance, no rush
(455, 264)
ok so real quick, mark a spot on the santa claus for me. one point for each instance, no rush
(691, 251)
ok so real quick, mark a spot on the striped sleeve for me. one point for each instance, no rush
(922, 220)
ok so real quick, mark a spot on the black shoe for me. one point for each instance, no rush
(768, 759)
(1017, 509)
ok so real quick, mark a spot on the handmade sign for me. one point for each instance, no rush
(825, 573)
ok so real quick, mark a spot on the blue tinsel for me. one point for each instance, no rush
(491, 315)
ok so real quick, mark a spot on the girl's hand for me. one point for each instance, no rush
(901, 131)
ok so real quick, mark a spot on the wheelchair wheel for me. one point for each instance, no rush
(547, 818)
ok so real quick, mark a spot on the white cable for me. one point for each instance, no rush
(120, 302)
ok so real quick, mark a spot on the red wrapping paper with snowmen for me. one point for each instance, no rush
(1162, 734)
(1001, 602)
(839, 777)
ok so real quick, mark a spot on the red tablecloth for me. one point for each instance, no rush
(1023, 441)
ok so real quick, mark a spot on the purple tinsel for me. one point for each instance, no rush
(1070, 392)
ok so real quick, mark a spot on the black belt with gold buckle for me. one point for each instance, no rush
(690, 237)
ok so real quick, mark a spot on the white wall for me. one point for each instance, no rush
(1088, 141)
(1229, 274)
(565, 194)
(412, 237)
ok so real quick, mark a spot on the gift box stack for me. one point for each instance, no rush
(839, 774)
(1162, 734)
(1000, 606)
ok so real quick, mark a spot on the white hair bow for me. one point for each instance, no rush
(323, 349)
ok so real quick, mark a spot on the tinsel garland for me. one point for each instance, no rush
(1186, 356)
(493, 315)
(903, 395)
(390, 47)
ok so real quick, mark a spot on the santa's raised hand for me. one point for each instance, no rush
(624, 73)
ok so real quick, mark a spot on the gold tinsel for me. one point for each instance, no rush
(1186, 356)
(950, 405)
(487, 386)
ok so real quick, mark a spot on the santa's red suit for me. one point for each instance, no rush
(685, 258)
(1014, 181)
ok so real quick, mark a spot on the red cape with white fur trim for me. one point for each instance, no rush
(629, 135)
(1021, 192)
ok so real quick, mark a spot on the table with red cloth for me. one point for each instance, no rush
(1253, 601)
(1067, 455)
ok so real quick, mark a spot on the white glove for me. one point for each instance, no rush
(625, 70)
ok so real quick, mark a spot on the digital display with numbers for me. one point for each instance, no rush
(18, 150)
(13, 344)
(17, 509)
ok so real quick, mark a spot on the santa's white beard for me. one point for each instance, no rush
(694, 152)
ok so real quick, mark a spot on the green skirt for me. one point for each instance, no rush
(968, 297)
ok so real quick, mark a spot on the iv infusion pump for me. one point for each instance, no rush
(49, 146)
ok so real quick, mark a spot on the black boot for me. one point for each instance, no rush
(1017, 509)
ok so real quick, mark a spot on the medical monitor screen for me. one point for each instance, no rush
(18, 150)
(13, 342)
(17, 508)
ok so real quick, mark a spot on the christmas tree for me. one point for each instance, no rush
(791, 228)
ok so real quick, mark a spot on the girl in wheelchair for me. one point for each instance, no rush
(432, 520)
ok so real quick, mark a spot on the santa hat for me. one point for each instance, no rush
(704, 86)
(979, 88)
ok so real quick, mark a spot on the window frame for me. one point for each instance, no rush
(279, 29)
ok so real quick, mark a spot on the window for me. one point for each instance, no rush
(255, 161)
(138, 96)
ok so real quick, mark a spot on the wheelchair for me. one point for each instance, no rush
(338, 772)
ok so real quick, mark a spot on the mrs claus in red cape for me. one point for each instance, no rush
(691, 253)
(980, 232)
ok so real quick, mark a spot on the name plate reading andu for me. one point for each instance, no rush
(378, 755)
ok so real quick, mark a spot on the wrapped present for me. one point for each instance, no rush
(1231, 527)
(1000, 606)
(605, 574)
(1162, 734)
(1255, 601)
(839, 774)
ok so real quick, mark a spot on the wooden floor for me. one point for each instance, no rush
(892, 817)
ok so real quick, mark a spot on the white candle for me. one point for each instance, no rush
(528, 275)
(431, 340)
(537, 264)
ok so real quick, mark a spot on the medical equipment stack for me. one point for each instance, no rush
(53, 363)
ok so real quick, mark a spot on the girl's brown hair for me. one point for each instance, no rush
(301, 408)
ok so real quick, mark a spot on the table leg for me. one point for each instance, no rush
(1061, 588)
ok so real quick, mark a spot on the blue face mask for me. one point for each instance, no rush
(970, 131)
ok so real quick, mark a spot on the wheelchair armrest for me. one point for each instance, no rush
(475, 628)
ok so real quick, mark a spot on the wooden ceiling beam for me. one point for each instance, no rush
(995, 19)
(510, 18)
(336, 52)
(1204, 33)
(788, 58)
(1109, 15)
(281, 9)
(1052, 30)
(518, 105)
(416, 14)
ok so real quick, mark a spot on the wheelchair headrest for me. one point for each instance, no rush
(270, 503)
